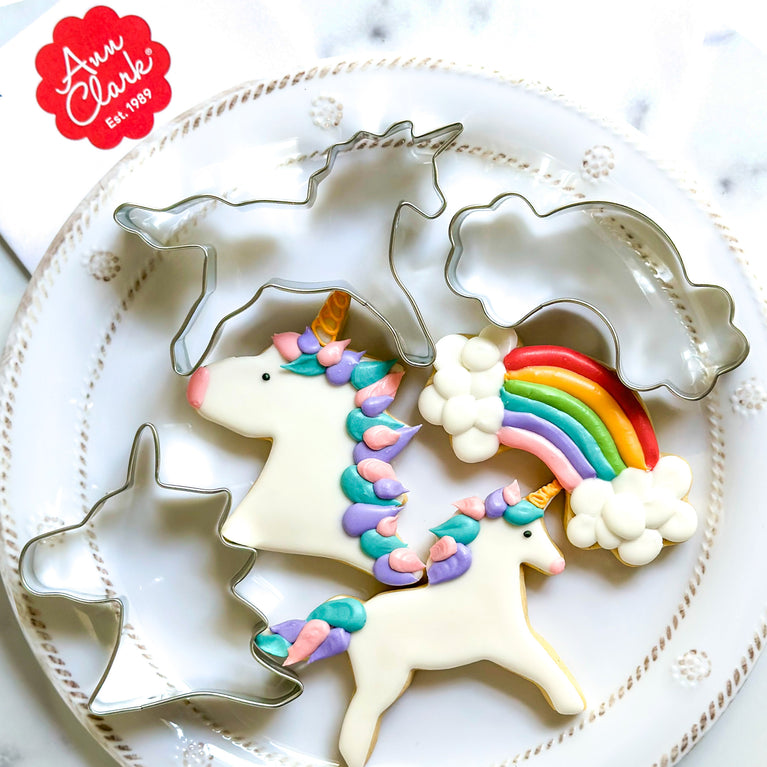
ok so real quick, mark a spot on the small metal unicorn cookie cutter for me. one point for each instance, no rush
(386, 296)
(130, 658)
(612, 260)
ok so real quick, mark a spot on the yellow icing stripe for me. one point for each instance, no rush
(594, 396)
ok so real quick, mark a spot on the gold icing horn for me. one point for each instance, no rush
(329, 322)
(543, 496)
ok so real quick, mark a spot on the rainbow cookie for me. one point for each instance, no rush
(474, 569)
(576, 415)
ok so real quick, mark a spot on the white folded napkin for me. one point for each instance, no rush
(212, 46)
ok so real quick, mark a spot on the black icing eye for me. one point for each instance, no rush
(528, 533)
(266, 376)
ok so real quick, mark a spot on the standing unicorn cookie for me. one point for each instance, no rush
(476, 580)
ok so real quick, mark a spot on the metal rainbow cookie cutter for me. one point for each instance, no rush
(132, 679)
(612, 260)
(304, 269)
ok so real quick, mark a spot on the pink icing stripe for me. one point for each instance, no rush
(331, 353)
(443, 549)
(311, 636)
(384, 387)
(287, 345)
(373, 469)
(473, 507)
(540, 447)
(405, 561)
(378, 437)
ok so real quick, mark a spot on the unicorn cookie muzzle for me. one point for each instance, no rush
(198, 385)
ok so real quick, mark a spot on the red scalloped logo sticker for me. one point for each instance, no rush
(103, 77)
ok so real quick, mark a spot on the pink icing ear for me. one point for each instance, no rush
(372, 469)
(377, 437)
(287, 345)
(512, 494)
(331, 353)
(384, 387)
(387, 527)
(405, 561)
(444, 548)
(473, 507)
(311, 636)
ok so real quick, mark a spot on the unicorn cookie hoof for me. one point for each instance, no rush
(577, 416)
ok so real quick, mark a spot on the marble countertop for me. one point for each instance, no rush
(692, 77)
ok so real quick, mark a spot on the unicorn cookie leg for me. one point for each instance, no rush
(473, 608)
(579, 418)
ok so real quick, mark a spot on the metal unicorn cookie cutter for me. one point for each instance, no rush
(305, 268)
(612, 260)
(132, 679)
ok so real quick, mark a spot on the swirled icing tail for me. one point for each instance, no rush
(326, 631)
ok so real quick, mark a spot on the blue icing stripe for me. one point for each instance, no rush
(522, 513)
(305, 365)
(376, 545)
(569, 425)
(346, 613)
(464, 529)
(357, 423)
(359, 490)
(370, 371)
(273, 644)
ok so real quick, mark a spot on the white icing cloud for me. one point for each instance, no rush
(635, 512)
(463, 396)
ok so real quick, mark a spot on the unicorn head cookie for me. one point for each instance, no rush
(328, 488)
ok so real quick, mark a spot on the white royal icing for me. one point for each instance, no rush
(480, 616)
(635, 512)
(463, 396)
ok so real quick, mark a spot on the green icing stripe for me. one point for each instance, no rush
(574, 429)
(345, 613)
(576, 409)
(305, 365)
(464, 529)
(522, 513)
(273, 644)
(370, 371)
(376, 545)
(357, 423)
(359, 490)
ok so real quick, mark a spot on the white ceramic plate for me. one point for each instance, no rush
(88, 362)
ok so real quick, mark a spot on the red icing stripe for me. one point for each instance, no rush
(562, 357)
